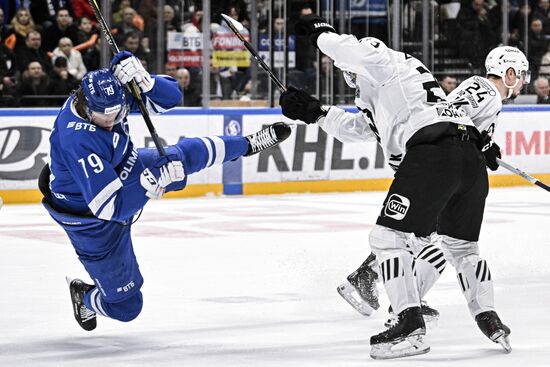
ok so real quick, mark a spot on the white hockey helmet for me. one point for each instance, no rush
(502, 58)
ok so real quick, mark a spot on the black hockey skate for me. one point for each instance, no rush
(85, 317)
(403, 339)
(430, 316)
(494, 329)
(360, 290)
(267, 137)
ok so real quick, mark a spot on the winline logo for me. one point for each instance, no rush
(397, 207)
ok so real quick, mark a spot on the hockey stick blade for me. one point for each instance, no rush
(520, 173)
(132, 85)
(237, 27)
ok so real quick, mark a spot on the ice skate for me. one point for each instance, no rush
(360, 289)
(430, 316)
(85, 317)
(403, 339)
(267, 137)
(494, 329)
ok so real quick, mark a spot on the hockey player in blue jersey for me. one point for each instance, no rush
(98, 180)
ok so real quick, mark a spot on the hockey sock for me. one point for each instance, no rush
(391, 250)
(200, 153)
(475, 281)
(93, 301)
(398, 280)
(428, 267)
(125, 310)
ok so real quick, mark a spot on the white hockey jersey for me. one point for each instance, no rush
(480, 100)
(396, 94)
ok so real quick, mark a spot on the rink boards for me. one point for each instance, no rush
(309, 161)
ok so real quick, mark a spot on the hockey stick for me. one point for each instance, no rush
(523, 174)
(132, 85)
(236, 27)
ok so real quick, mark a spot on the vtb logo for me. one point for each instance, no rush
(397, 207)
(23, 150)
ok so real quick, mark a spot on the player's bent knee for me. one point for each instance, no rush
(128, 309)
(383, 239)
(458, 251)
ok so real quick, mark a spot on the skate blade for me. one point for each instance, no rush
(347, 291)
(68, 279)
(504, 342)
(407, 347)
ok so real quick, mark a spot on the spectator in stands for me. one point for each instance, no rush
(88, 43)
(132, 44)
(118, 14)
(170, 21)
(75, 63)
(544, 69)
(233, 77)
(195, 26)
(120, 30)
(62, 82)
(542, 90)
(63, 27)
(33, 52)
(517, 25)
(305, 56)
(477, 33)
(44, 12)
(537, 46)
(20, 26)
(542, 10)
(82, 8)
(448, 83)
(191, 94)
(34, 82)
(170, 69)
(8, 76)
(3, 27)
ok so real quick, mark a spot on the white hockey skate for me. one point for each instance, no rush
(404, 339)
(360, 289)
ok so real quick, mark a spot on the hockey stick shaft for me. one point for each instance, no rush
(132, 85)
(233, 26)
(520, 173)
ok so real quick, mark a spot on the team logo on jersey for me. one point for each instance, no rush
(23, 152)
(397, 207)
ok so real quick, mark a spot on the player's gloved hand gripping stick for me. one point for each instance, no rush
(132, 84)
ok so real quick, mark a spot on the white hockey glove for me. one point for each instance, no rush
(131, 68)
(170, 172)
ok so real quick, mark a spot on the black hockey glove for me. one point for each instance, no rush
(298, 105)
(312, 25)
(490, 150)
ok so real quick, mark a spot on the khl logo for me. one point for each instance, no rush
(397, 207)
(23, 152)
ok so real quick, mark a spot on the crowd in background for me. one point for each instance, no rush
(46, 46)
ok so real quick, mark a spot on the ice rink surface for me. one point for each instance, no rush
(251, 281)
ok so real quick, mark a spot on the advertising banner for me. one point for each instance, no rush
(184, 49)
(309, 155)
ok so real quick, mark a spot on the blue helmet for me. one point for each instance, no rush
(104, 93)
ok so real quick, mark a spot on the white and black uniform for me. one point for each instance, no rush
(482, 102)
(395, 92)
(440, 172)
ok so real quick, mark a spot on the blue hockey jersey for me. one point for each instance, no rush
(96, 170)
